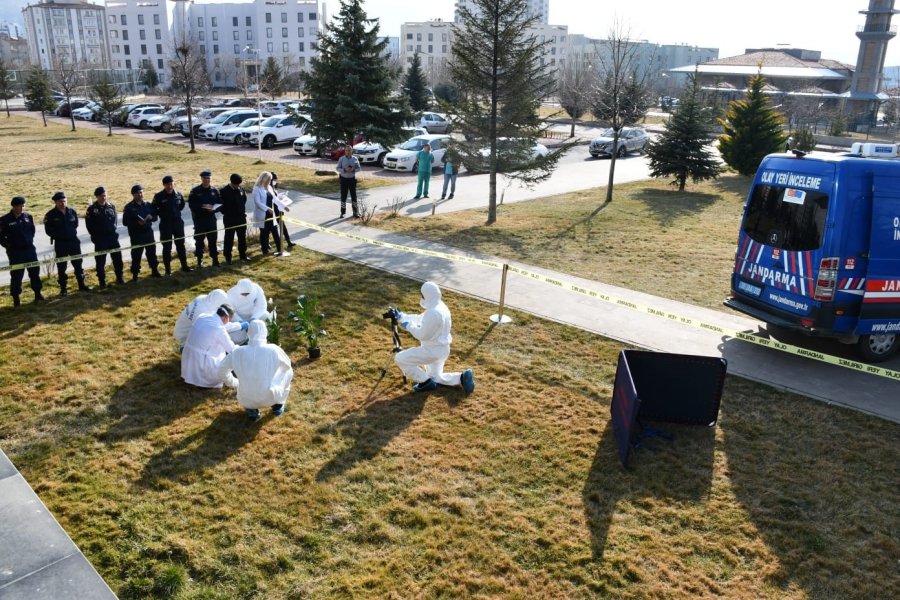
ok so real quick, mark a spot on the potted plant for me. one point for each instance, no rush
(308, 323)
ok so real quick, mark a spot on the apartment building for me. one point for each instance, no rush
(13, 46)
(540, 9)
(68, 31)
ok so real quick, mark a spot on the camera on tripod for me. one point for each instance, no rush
(391, 313)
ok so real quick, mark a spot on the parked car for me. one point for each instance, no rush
(235, 133)
(88, 112)
(307, 145)
(507, 148)
(282, 130)
(271, 108)
(404, 157)
(369, 152)
(210, 129)
(65, 109)
(433, 123)
(166, 121)
(631, 139)
(207, 114)
(139, 117)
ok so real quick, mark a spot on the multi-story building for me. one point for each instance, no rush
(539, 9)
(235, 38)
(13, 46)
(67, 31)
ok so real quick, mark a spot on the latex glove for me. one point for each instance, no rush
(245, 325)
(404, 324)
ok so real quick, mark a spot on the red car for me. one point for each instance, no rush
(335, 150)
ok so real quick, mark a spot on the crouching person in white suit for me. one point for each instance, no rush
(249, 303)
(263, 371)
(206, 347)
(425, 364)
(204, 304)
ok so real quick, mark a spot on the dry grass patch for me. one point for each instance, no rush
(651, 238)
(40, 160)
(374, 492)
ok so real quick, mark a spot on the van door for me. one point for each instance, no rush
(880, 312)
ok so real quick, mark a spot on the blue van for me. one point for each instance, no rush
(819, 247)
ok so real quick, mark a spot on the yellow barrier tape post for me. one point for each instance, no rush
(500, 318)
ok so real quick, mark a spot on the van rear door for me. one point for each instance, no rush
(880, 312)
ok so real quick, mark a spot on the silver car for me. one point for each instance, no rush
(631, 139)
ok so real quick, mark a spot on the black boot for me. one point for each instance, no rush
(63, 290)
(38, 297)
(134, 278)
(155, 272)
(168, 268)
(215, 260)
(82, 286)
(199, 262)
(120, 278)
(16, 301)
(101, 283)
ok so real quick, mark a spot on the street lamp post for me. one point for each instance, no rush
(248, 49)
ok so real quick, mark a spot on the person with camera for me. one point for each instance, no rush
(101, 221)
(263, 373)
(425, 364)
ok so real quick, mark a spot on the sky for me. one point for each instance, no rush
(729, 25)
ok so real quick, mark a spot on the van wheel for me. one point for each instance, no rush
(877, 347)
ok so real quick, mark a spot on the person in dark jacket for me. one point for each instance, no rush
(138, 217)
(234, 217)
(101, 222)
(61, 226)
(279, 214)
(17, 237)
(205, 202)
(167, 206)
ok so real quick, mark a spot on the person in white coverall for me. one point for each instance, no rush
(205, 348)
(204, 304)
(425, 364)
(249, 302)
(263, 373)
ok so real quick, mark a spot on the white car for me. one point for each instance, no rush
(88, 112)
(404, 156)
(230, 118)
(306, 145)
(433, 123)
(370, 153)
(631, 139)
(207, 114)
(235, 135)
(166, 121)
(279, 129)
(506, 165)
(270, 108)
(139, 117)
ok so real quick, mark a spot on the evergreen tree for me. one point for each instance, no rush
(150, 76)
(107, 95)
(804, 139)
(349, 84)
(838, 124)
(682, 151)
(415, 85)
(272, 80)
(6, 91)
(496, 64)
(753, 129)
(37, 92)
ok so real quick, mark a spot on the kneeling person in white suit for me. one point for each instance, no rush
(205, 348)
(249, 302)
(204, 304)
(425, 364)
(263, 371)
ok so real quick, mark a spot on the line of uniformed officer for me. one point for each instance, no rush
(101, 221)
(17, 237)
(61, 226)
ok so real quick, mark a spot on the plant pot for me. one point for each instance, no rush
(314, 353)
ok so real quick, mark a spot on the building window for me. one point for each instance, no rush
(284, 32)
(270, 48)
(299, 32)
(418, 37)
(300, 47)
(114, 34)
(214, 21)
(144, 49)
(218, 76)
(268, 17)
(215, 48)
(202, 49)
(112, 19)
(409, 36)
(430, 37)
(299, 17)
(284, 47)
(430, 49)
(444, 48)
(124, 20)
(142, 34)
(156, 19)
(236, 35)
(249, 22)
(443, 37)
(215, 35)
(284, 17)
(158, 34)
(159, 48)
(237, 48)
(201, 35)
(115, 48)
(140, 19)
(418, 47)
(127, 63)
(312, 16)
(234, 21)
(200, 22)
(127, 49)
(125, 34)
(409, 47)
(249, 34)
(159, 62)
(268, 32)
(301, 60)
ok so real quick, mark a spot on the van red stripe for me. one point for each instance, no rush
(809, 269)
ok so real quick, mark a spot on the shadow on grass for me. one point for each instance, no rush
(667, 206)
(736, 184)
(189, 457)
(679, 471)
(370, 430)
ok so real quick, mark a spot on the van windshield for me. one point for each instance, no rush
(786, 218)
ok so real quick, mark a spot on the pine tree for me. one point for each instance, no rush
(496, 64)
(682, 151)
(753, 129)
(107, 95)
(804, 139)
(6, 91)
(349, 84)
(37, 92)
(414, 85)
(272, 80)
(150, 76)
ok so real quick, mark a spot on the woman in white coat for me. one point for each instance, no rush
(264, 213)
(204, 304)
(205, 348)
(263, 371)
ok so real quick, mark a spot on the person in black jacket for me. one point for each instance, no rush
(234, 217)
(61, 226)
(138, 217)
(279, 214)
(101, 222)
(17, 236)
(167, 206)
(205, 201)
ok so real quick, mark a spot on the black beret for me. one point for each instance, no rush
(99, 190)
(60, 195)
(167, 179)
(205, 173)
(18, 200)
(236, 179)
(137, 188)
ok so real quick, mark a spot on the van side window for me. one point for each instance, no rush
(788, 225)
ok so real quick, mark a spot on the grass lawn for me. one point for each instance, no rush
(650, 238)
(40, 160)
(373, 492)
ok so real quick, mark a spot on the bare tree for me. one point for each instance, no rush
(67, 74)
(107, 94)
(6, 91)
(576, 83)
(621, 94)
(190, 78)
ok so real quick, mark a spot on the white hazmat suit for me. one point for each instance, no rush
(263, 371)
(204, 304)
(204, 350)
(249, 303)
(432, 329)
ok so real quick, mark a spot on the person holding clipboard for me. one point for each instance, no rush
(205, 202)
(138, 217)
(281, 203)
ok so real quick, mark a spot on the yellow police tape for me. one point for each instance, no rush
(558, 283)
